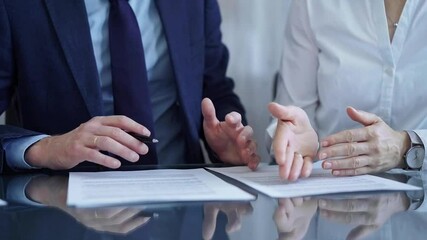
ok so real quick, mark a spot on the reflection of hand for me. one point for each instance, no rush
(234, 212)
(52, 191)
(373, 148)
(85, 143)
(369, 212)
(295, 141)
(293, 216)
(230, 140)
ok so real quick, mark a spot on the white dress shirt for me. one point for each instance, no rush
(337, 53)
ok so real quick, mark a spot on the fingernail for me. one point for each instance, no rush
(327, 165)
(134, 157)
(146, 132)
(323, 155)
(116, 164)
(336, 173)
(324, 143)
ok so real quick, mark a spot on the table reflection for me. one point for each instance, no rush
(41, 212)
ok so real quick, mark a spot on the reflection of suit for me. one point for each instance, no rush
(20, 221)
(49, 223)
(48, 67)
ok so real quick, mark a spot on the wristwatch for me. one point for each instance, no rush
(414, 157)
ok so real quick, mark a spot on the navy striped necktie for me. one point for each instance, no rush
(129, 72)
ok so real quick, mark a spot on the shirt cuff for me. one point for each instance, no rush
(15, 151)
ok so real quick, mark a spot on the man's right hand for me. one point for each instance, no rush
(85, 143)
(295, 142)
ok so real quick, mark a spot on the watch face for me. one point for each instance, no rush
(415, 157)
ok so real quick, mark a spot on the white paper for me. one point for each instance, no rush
(3, 203)
(112, 188)
(266, 180)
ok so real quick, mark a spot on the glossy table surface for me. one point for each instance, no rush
(37, 210)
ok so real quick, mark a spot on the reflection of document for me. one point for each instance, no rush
(266, 180)
(111, 188)
(2, 203)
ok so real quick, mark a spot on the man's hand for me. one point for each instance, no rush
(85, 143)
(373, 148)
(230, 140)
(295, 142)
(52, 191)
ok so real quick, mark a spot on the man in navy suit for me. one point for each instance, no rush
(55, 73)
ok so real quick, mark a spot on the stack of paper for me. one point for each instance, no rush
(110, 188)
(266, 180)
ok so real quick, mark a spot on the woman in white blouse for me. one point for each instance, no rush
(368, 54)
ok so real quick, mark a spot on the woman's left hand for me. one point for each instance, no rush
(374, 148)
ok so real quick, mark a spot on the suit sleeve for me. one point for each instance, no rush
(7, 84)
(216, 85)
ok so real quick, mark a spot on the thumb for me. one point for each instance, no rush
(292, 114)
(362, 117)
(208, 111)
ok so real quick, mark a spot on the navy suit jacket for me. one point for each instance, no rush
(48, 70)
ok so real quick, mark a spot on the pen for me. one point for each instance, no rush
(142, 138)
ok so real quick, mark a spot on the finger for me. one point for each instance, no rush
(110, 145)
(307, 167)
(296, 167)
(95, 156)
(297, 201)
(346, 136)
(347, 205)
(123, 138)
(362, 117)
(233, 121)
(287, 205)
(208, 111)
(347, 218)
(125, 228)
(286, 170)
(104, 212)
(254, 162)
(209, 221)
(347, 163)
(345, 150)
(233, 221)
(352, 172)
(280, 143)
(246, 144)
(123, 216)
(288, 113)
(360, 232)
(124, 123)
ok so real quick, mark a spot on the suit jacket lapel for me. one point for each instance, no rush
(70, 21)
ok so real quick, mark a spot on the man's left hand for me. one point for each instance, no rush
(230, 140)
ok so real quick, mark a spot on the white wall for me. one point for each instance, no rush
(253, 32)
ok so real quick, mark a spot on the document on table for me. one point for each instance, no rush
(3, 203)
(266, 180)
(149, 186)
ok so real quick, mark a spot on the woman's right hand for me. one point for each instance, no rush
(295, 142)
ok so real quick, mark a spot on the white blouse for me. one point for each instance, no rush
(337, 53)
